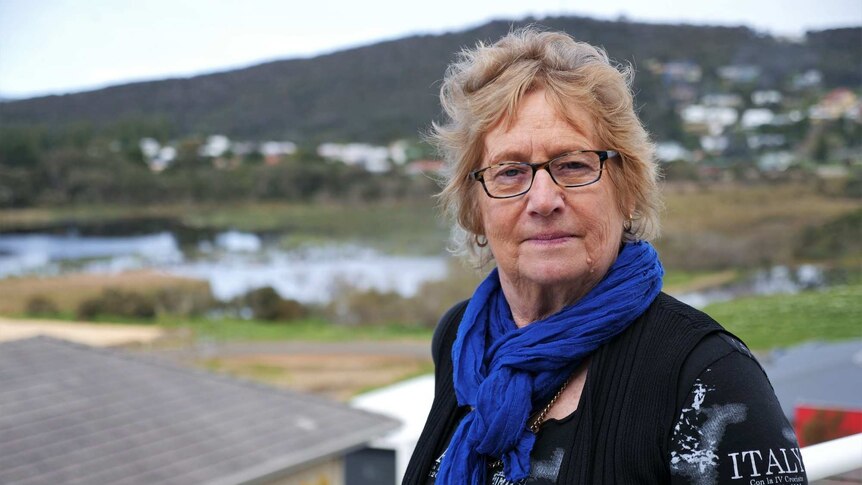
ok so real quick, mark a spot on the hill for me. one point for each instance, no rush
(389, 90)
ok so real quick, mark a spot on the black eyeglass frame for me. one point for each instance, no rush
(603, 156)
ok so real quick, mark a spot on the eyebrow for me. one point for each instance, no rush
(516, 155)
(511, 155)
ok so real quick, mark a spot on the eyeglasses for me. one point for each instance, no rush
(573, 169)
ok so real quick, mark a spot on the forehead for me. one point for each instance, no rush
(539, 129)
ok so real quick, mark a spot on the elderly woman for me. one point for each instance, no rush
(568, 364)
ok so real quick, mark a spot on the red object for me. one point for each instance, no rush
(816, 424)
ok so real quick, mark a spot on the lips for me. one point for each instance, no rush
(550, 237)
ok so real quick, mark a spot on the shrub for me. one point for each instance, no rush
(40, 305)
(839, 238)
(853, 185)
(370, 307)
(184, 301)
(266, 304)
(118, 303)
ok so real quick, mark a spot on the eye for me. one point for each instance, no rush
(571, 165)
(575, 163)
(509, 171)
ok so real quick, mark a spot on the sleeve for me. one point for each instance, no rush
(730, 427)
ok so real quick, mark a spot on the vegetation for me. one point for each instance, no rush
(266, 304)
(677, 281)
(401, 227)
(337, 376)
(766, 322)
(117, 303)
(310, 329)
(41, 306)
(368, 308)
(36, 169)
(719, 226)
(763, 322)
(838, 239)
(64, 294)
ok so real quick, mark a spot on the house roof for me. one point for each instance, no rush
(75, 414)
(827, 374)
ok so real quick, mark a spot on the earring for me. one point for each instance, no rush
(481, 242)
(627, 225)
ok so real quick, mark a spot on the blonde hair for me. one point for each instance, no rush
(486, 84)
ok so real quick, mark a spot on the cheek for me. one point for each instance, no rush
(498, 225)
(495, 217)
(600, 230)
(497, 228)
(604, 233)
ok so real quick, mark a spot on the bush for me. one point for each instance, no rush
(837, 239)
(40, 305)
(853, 185)
(184, 301)
(266, 304)
(118, 303)
(370, 307)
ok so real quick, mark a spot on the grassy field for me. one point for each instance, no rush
(686, 281)
(736, 226)
(767, 322)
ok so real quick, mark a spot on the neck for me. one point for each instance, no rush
(530, 302)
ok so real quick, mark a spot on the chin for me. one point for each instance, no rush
(555, 272)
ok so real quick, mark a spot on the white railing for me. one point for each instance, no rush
(833, 457)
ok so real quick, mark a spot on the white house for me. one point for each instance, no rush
(756, 117)
(370, 157)
(407, 401)
(713, 119)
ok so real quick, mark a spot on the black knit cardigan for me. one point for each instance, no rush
(628, 406)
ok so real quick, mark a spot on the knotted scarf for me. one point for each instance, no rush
(504, 372)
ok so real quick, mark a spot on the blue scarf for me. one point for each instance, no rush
(504, 372)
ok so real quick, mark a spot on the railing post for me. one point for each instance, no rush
(833, 457)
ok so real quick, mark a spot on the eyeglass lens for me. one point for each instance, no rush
(512, 178)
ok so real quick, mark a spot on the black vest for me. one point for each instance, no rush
(629, 401)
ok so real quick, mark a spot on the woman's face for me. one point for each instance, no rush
(551, 237)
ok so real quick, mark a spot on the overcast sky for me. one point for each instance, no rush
(57, 46)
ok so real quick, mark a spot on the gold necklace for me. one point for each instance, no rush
(540, 418)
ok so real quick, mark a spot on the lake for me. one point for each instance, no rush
(232, 262)
(235, 262)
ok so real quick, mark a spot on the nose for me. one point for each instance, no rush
(545, 196)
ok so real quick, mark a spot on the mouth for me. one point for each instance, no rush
(550, 238)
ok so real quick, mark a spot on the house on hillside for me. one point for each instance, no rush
(75, 414)
(739, 73)
(835, 104)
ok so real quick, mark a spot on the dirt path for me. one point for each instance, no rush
(95, 334)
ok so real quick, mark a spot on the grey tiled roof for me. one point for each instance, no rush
(72, 414)
(827, 374)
